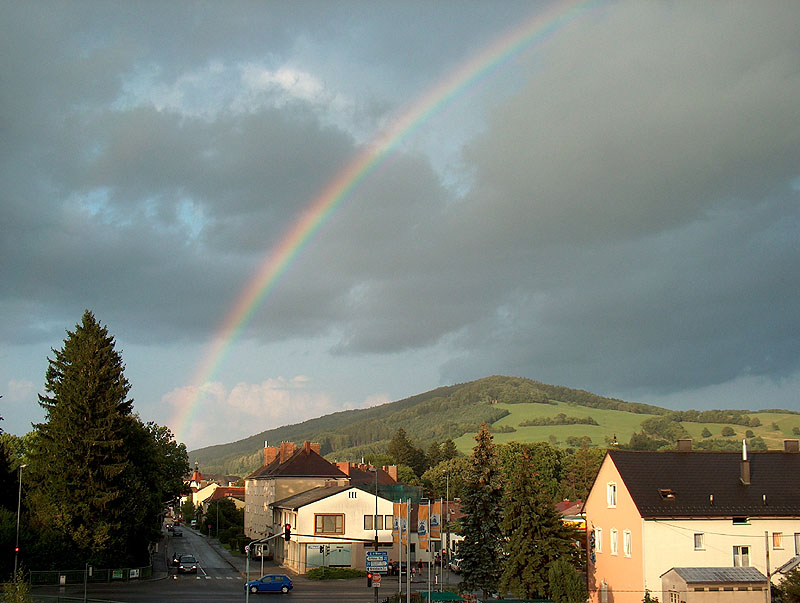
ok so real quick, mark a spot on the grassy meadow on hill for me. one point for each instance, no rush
(515, 409)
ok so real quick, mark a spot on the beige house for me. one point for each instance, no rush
(332, 526)
(287, 471)
(714, 585)
(651, 512)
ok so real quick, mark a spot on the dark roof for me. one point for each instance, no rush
(308, 497)
(305, 462)
(359, 477)
(700, 575)
(682, 484)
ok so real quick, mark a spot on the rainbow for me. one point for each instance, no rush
(539, 28)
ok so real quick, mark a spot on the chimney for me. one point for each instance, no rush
(287, 450)
(392, 471)
(685, 445)
(791, 445)
(270, 454)
(745, 477)
(316, 447)
(344, 467)
(306, 446)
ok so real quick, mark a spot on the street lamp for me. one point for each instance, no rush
(19, 506)
(375, 517)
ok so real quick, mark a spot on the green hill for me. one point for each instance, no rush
(516, 409)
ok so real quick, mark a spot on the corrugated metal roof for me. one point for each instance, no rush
(707, 575)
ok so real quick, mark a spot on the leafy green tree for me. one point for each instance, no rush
(755, 422)
(728, 431)
(80, 457)
(706, 432)
(188, 511)
(664, 427)
(448, 477)
(789, 587)
(480, 550)
(537, 537)
(566, 584)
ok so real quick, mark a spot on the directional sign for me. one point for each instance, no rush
(377, 561)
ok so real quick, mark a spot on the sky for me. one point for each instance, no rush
(601, 195)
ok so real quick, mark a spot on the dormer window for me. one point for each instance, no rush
(667, 493)
(740, 521)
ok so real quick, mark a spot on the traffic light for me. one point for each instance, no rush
(369, 579)
(287, 532)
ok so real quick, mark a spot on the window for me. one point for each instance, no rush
(627, 543)
(614, 538)
(329, 524)
(699, 545)
(797, 544)
(777, 540)
(369, 525)
(741, 556)
(388, 522)
(598, 540)
(368, 522)
(611, 494)
(673, 597)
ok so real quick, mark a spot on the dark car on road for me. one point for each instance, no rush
(187, 565)
(271, 583)
(177, 533)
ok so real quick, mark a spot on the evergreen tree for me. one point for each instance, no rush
(79, 455)
(404, 453)
(434, 455)
(566, 583)
(537, 537)
(449, 450)
(580, 469)
(481, 548)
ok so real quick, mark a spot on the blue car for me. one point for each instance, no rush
(271, 583)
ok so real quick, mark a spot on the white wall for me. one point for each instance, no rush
(670, 543)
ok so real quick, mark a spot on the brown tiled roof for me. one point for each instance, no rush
(309, 496)
(303, 463)
(708, 484)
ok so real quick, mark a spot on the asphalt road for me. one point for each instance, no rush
(219, 578)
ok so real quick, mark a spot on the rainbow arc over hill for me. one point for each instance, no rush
(539, 28)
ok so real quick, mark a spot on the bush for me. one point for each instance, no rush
(335, 573)
(728, 431)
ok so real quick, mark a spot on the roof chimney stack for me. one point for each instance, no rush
(745, 477)
(791, 445)
(685, 445)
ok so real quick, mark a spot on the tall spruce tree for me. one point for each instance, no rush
(481, 504)
(537, 537)
(79, 456)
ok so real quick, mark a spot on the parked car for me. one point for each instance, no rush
(177, 533)
(187, 565)
(455, 565)
(194, 523)
(271, 583)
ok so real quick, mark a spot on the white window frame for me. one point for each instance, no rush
(598, 540)
(627, 543)
(614, 541)
(777, 540)
(741, 555)
(699, 541)
(611, 495)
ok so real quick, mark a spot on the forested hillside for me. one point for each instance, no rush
(516, 409)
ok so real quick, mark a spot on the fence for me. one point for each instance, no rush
(63, 577)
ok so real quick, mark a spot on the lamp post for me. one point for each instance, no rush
(19, 507)
(375, 518)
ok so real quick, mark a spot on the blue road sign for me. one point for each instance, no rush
(378, 561)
